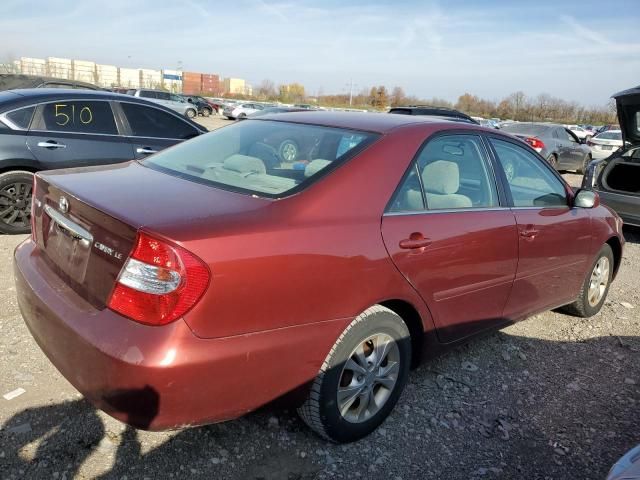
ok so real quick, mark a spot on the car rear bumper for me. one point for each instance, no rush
(627, 206)
(161, 377)
(597, 154)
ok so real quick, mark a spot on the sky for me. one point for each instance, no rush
(578, 50)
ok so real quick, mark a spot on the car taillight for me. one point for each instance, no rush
(159, 282)
(32, 214)
(535, 143)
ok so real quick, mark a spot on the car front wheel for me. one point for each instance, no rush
(362, 377)
(595, 287)
(15, 202)
(191, 113)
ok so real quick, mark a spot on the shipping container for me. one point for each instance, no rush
(84, 71)
(33, 66)
(107, 75)
(60, 67)
(129, 77)
(150, 78)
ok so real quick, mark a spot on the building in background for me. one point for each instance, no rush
(129, 77)
(33, 66)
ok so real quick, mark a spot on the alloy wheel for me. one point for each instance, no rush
(288, 151)
(598, 281)
(15, 204)
(368, 378)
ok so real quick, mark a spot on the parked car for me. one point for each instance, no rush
(11, 81)
(199, 284)
(617, 177)
(559, 145)
(627, 467)
(270, 110)
(241, 110)
(429, 110)
(605, 143)
(175, 102)
(579, 132)
(46, 129)
(204, 107)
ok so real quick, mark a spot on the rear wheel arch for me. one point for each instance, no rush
(412, 318)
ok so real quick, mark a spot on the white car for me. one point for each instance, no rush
(605, 143)
(241, 110)
(579, 132)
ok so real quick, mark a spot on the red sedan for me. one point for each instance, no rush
(199, 284)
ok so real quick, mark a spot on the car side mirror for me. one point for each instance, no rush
(586, 199)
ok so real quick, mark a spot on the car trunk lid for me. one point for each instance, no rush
(628, 108)
(87, 237)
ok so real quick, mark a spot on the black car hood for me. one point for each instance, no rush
(628, 107)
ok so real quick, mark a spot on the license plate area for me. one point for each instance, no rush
(607, 147)
(67, 244)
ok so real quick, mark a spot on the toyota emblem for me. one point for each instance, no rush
(63, 205)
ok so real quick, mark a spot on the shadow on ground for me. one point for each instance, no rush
(501, 407)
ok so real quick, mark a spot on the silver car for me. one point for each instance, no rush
(174, 102)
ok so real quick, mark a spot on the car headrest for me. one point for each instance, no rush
(244, 164)
(441, 177)
(315, 166)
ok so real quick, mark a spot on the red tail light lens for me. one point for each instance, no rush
(159, 282)
(535, 143)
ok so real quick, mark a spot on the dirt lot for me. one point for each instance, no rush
(553, 397)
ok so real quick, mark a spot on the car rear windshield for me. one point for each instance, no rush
(266, 158)
(610, 136)
(526, 128)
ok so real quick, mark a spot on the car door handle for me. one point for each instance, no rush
(529, 233)
(415, 240)
(145, 150)
(51, 144)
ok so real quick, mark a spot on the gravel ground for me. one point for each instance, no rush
(553, 397)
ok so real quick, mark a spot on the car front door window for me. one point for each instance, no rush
(532, 184)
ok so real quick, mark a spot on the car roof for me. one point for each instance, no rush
(370, 122)
(12, 99)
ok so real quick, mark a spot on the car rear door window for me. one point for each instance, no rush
(21, 118)
(79, 116)
(532, 184)
(153, 122)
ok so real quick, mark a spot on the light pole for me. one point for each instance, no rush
(351, 85)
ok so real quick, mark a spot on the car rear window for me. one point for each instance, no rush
(526, 128)
(610, 136)
(267, 158)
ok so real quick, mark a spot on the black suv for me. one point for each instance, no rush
(443, 112)
(45, 129)
(204, 108)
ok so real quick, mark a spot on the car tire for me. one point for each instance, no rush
(288, 151)
(191, 113)
(242, 116)
(335, 407)
(509, 168)
(553, 161)
(585, 164)
(595, 287)
(15, 202)
(206, 112)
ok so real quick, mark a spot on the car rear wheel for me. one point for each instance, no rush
(15, 202)
(191, 113)
(595, 287)
(362, 377)
(553, 161)
(206, 112)
(288, 151)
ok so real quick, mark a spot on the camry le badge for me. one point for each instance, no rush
(63, 205)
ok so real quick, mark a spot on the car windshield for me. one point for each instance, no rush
(610, 136)
(526, 128)
(267, 158)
